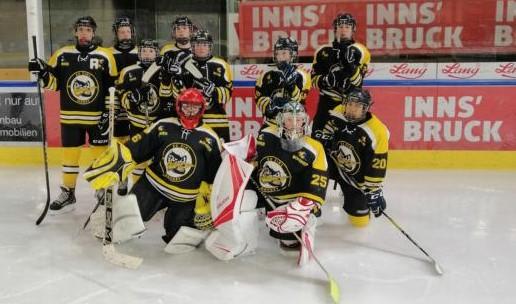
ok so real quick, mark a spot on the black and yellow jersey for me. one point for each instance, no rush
(285, 175)
(359, 151)
(218, 71)
(147, 111)
(83, 79)
(328, 58)
(181, 158)
(124, 58)
(271, 84)
(170, 50)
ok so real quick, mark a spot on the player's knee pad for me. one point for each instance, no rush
(127, 220)
(359, 221)
(185, 240)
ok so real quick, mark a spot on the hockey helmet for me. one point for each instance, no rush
(285, 43)
(190, 106)
(356, 105)
(87, 21)
(202, 37)
(344, 19)
(146, 59)
(182, 21)
(124, 22)
(293, 125)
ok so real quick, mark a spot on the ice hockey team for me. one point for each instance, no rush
(171, 133)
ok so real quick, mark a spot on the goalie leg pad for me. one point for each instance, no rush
(127, 220)
(308, 238)
(238, 237)
(98, 222)
(185, 240)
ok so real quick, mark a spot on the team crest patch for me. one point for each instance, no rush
(179, 162)
(82, 87)
(274, 174)
(347, 158)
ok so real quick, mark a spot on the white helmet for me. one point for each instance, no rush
(293, 125)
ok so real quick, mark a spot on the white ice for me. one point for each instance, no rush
(466, 220)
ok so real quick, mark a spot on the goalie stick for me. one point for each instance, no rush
(108, 248)
(334, 286)
(436, 266)
(44, 139)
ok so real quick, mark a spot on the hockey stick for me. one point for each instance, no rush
(44, 139)
(334, 286)
(108, 248)
(437, 267)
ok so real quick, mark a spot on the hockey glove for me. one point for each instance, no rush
(275, 106)
(113, 165)
(376, 202)
(290, 217)
(202, 217)
(289, 74)
(332, 80)
(38, 65)
(208, 88)
(137, 95)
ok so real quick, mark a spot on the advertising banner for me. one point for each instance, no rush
(386, 27)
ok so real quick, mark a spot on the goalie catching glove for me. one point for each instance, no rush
(290, 217)
(112, 166)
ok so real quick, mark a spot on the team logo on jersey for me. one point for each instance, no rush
(274, 174)
(346, 157)
(82, 87)
(179, 162)
(152, 103)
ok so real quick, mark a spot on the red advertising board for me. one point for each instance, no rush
(386, 27)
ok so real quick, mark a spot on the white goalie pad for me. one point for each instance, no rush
(97, 224)
(127, 220)
(307, 238)
(185, 240)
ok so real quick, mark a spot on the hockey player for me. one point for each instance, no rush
(186, 156)
(182, 30)
(126, 54)
(337, 68)
(291, 172)
(214, 80)
(357, 143)
(82, 73)
(286, 82)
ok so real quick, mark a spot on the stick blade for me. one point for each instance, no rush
(438, 268)
(334, 291)
(120, 259)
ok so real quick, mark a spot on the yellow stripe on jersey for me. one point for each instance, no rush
(227, 69)
(110, 59)
(124, 71)
(318, 150)
(168, 47)
(65, 49)
(378, 133)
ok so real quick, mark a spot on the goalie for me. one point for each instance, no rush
(185, 157)
(290, 180)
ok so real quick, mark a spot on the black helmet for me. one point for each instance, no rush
(85, 21)
(286, 43)
(202, 36)
(344, 18)
(121, 22)
(147, 43)
(182, 21)
(357, 95)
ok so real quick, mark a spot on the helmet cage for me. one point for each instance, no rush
(286, 43)
(147, 44)
(293, 125)
(185, 101)
(202, 37)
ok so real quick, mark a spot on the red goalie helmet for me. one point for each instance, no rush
(190, 107)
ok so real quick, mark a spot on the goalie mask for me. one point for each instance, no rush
(344, 26)
(85, 28)
(356, 105)
(190, 106)
(182, 29)
(285, 50)
(202, 44)
(148, 50)
(123, 28)
(293, 125)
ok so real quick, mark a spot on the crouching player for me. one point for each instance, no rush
(357, 143)
(290, 180)
(185, 157)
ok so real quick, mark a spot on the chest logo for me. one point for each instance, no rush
(346, 158)
(82, 87)
(273, 175)
(179, 162)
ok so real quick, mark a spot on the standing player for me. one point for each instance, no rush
(287, 82)
(82, 73)
(337, 68)
(216, 82)
(291, 170)
(358, 142)
(126, 54)
(186, 156)
(172, 55)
